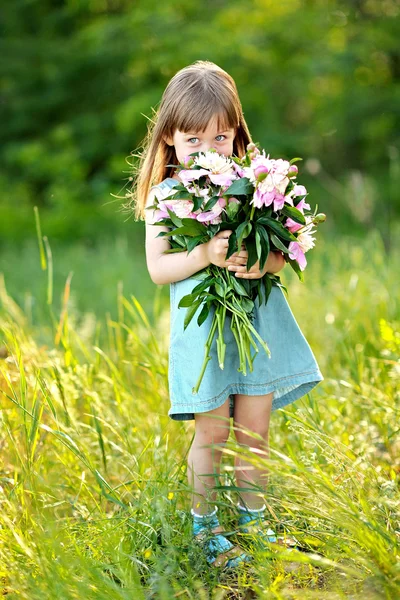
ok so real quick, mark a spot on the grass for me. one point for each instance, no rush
(94, 498)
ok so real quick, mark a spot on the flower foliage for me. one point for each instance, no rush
(259, 199)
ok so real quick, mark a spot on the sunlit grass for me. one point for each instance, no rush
(94, 498)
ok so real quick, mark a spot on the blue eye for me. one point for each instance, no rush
(220, 136)
(191, 140)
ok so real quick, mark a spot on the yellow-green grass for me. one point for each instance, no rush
(94, 498)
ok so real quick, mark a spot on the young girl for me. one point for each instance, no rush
(200, 109)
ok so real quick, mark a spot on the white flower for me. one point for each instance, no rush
(214, 162)
(305, 238)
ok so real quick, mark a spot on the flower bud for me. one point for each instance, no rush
(188, 162)
(261, 172)
(319, 218)
(293, 170)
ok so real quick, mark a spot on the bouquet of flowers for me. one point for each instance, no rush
(260, 201)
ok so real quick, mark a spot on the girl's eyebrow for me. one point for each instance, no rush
(198, 133)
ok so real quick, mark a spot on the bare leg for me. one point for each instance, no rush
(203, 460)
(252, 413)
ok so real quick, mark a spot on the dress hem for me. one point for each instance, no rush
(304, 382)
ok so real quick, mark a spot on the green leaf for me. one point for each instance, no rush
(240, 187)
(247, 304)
(232, 209)
(238, 286)
(267, 287)
(265, 246)
(200, 287)
(193, 242)
(294, 213)
(258, 244)
(277, 228)
(191, 227)
(295, 266)
(191, 311)
(251, 252)
(176, 220)
(278, 244)
(294, 160)
(201, 275)
(210, 203)
(232, 245)
(187, 300)
(242, 232)
(203, 314)
(180, 195)
(194, 224)
(197, 202)
(220, 289)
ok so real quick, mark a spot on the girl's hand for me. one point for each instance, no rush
(275, 263)
(217, 248)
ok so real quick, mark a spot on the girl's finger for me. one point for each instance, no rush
(224, 234)
(237, 260)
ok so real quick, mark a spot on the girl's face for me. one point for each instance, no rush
(197, 141)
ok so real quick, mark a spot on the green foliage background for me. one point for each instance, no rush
(319, 79)
(92, 470)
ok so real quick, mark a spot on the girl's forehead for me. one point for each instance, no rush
(219, 123)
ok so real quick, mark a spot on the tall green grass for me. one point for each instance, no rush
(94, 497)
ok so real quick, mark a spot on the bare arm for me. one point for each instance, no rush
(168, 268)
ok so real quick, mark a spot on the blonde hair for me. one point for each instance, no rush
(193, 97)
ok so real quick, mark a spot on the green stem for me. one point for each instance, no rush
(207, 355)
(242, 367)
(221, 346)
(242, 315)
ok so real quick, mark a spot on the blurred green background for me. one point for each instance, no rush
(79, 78)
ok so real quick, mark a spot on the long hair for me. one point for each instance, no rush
(193, 97)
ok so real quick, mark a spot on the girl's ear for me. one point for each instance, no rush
(168, 140)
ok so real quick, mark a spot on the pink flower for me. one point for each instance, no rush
(297, 254)
(182, 208)
(207, 216)
(224, 179)
(292, 225)
(262, 198)
(235, 200)
(302, 204)
(299, 190)
(261, 170)
(213, 215)
(279, 201)
(221, 202)
(188, 161)
(191, 175)
(239, 171)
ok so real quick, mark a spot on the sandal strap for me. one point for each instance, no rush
(225, 556)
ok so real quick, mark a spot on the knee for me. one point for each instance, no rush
(213, 435)
(260, 429)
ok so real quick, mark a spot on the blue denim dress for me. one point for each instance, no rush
(289, 373)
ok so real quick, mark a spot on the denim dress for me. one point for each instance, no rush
(290, 372)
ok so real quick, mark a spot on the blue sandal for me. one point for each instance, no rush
(253, 522)
(219, 551)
